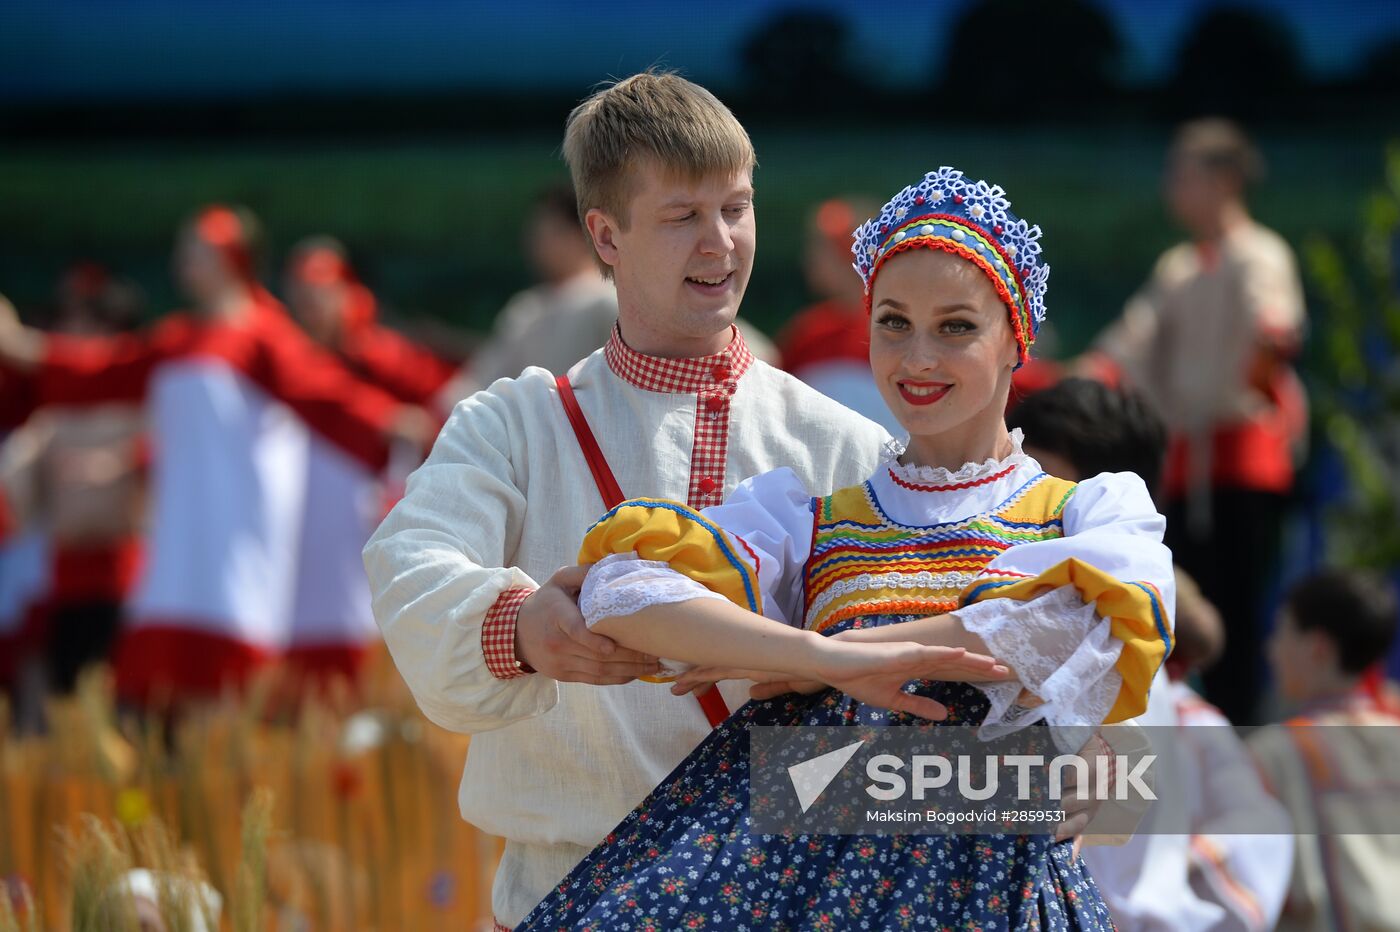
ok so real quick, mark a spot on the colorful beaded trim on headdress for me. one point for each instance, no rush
(971, 219)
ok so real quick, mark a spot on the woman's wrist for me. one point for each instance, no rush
(818, 656)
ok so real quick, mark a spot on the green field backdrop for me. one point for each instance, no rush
(435, 225)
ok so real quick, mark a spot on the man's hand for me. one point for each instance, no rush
(552, 637)
(9, 318)
(1079, 803)
(19, 345)
(414, 427)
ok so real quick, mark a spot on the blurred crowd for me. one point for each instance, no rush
(187, 500)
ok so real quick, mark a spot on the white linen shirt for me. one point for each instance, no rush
(502, 502)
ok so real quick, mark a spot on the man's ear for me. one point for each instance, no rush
(602, 229)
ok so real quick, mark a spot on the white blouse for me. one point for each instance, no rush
(1062, 650)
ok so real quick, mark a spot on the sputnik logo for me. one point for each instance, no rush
(811, 777)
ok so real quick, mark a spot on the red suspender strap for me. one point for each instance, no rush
(716, 711)
(714, 705)
(597, 464)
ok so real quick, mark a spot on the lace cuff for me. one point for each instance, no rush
(624, 584)
(1064, 655)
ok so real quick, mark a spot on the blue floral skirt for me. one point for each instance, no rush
(686, 858)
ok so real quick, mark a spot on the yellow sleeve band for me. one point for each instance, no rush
(671, 533)
(1135, 612)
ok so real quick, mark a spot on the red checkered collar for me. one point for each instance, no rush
(658, 374)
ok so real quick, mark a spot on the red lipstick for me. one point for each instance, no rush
(924, 393)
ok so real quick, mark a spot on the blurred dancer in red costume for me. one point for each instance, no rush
(77, 476)
(336, 309)
(827, 344)
(229, 386)
(333, 629)
(21, 557)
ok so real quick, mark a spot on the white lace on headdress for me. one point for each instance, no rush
(940, 475)
(948, 192)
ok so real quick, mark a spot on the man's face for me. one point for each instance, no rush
(1295, 657)
(1194, 192)
(683, 261)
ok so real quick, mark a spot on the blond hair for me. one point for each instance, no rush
(654, 114)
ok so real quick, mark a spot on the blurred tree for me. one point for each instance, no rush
(1007, 59)
(1380, 74)
(799, 60)
(1238, 61)
(1357, 385)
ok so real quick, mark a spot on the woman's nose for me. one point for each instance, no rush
(921, 354)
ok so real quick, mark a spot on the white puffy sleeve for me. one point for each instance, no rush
(749, 550)
(1084, 619)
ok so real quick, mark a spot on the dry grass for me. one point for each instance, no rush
(341, 815)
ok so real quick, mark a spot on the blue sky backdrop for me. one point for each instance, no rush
(94, 49)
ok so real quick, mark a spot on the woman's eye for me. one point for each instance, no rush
(893, 322)
(958, 326)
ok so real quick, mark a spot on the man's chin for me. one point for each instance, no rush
(710, 320)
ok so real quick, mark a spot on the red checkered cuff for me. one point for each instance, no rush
(498, 635)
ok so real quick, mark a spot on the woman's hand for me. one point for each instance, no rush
(965, 667)
(698, 679)
(875, 673)
(761, 691)
(973, 669)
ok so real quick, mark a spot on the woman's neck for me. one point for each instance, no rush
(968, 443)
(229, 304)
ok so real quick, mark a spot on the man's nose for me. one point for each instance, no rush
(718, 239)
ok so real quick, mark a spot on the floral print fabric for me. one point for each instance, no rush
(686, 858)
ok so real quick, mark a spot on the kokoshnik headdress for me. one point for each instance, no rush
(969, 219)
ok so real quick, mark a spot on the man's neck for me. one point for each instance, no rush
(664, 346)
(1332, 688)
(1231, 216)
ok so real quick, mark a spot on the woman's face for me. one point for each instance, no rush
(941, 345)
(200, 270)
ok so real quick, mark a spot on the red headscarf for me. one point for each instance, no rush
(221, 228)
